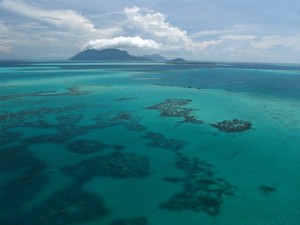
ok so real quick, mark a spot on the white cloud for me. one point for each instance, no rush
(268, 42)
(140, 30)
(123, 42)
(5, 47)
(66, 19)
(5, 42)
(154, 25)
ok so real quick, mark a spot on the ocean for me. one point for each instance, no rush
(117, 143)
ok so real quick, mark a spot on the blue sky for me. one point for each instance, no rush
(223, 30)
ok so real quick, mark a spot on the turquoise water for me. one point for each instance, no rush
(149, 144)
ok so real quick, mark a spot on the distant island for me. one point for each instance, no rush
(114, 54)
(177, 60)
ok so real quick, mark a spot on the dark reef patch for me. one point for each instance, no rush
(118, 147)
(18, 119)
(67, 129)
(201, 190)
(116, 164)
(191, 119)
(14, 194)
(125, 118)
(160, 141)
(86, 146)
(29, 181)
(135, 221)
(266, 189)
(72, 91)
(173, 108)
(17, 157)
(231, 126)
(65, 122)
(70, 206)
(176, 108)
(7, 136)
(126, 99)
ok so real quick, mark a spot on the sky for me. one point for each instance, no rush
(205, 30)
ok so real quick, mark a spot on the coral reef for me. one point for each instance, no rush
(266, 189)
(116, 164)
(18, 118)
(125, 118)
(201, 190)
(76, 90)
(7, 136)
(175, 108)
(160, 141)
(135, 221)
(118, 147)
(67, 129)
(73, 90)
(86, 146)
(28, 180)
(126, 99)
(70, 206)
(191, 119)
(17, 157)
(15, 193)
(231, 126)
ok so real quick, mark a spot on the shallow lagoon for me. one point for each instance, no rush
(136, 144)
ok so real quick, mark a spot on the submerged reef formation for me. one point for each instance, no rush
(7, 136)
(160, 141)
(191, 119)
(71, 205)
(231, 126)
(126, 99)
(19, 118)
(67, 128)
(16, 157)
(28, 177)
(176, 108)
(16, 193)
(201, 190)
(266, 189)
(173, 108)
(135, 221)
(86, 146)
(73, 90)
(116, 164)
(125, 118)
(64, 121)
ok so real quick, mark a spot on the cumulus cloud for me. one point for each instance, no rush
(67, 19)
(123, 42)
(154, 25)
(140, 30)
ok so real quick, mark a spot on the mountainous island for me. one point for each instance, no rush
(114, 54)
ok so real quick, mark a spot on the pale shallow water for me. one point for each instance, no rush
(136, 144)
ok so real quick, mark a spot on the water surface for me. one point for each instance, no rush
(149, 143)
